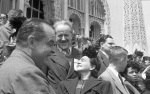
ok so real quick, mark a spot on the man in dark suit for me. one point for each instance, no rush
(105, 42)
(118, 61)
(20, 73)
(60, 64)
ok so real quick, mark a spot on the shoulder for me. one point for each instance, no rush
(75, 50)
(105, 75)
(76, 53)
(17, 65)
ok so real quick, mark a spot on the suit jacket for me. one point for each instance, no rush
(19, 75)
(5, 33)
(92, 86)
(131, 88)
(117, 86)
(104, 61)
(59, 68)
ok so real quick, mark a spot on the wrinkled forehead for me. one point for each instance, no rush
(3, 15)
(63, 28)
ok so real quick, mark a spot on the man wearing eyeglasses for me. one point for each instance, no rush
(3, 19)
(6, 30)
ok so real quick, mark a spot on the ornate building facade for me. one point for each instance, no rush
(123, 19)
(134, 28)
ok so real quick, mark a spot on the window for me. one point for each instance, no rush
(71, 3)
(78, 5)
(35, 9)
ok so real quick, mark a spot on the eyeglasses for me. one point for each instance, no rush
(2, 18)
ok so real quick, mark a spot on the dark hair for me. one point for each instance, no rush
(138, 53)
(30, 27)
(104, 38)
(130, 57)
(16, 23)
(132, 64)
(146, 58)
(91, 53)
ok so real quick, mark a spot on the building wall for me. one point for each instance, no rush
(146, 13)
(116, 21)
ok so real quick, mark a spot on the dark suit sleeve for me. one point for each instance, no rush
(106, 87)
(61, 88)
(31, 81)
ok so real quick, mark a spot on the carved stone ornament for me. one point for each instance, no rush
(26, 3)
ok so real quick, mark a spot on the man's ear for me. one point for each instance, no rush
(101, 43)
(31, 41)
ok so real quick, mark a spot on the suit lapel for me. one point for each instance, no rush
(90, 84)
(60, 59)
(71, 69)
(131, 88)
(104, 58)
(116, 81)
(71, 85)
(74, 54)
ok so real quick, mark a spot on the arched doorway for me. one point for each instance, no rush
(94, 30)
(76, 23)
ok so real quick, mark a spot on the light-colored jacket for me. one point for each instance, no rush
(19, 75)
(117, 86)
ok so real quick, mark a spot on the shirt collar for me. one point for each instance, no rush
(114, 71)
(105, 54)
(70, 48)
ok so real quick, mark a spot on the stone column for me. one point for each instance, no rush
(13, 4)
(81, 31)
(65, 9)
(22, 7)
(86, 16)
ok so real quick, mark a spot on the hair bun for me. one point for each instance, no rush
(16, 22)
(90, 51)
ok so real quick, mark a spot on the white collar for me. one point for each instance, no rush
(105, 54)
(70, 48)
(114, 71)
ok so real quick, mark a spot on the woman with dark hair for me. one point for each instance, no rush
(8, 47)
(86, 83)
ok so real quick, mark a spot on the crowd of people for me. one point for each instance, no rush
(40, 56)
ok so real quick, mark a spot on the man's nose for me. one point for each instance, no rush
(63, 38)
(134, 73)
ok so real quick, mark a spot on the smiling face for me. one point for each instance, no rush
(3, 19)
(63, 36)
(83, 65)
(41, 49)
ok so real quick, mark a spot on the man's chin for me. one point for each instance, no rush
(64, 46)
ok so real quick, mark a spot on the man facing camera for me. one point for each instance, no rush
(20, 73)
(60, 64)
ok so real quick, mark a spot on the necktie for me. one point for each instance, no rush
(120, 77)
(66, 51)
